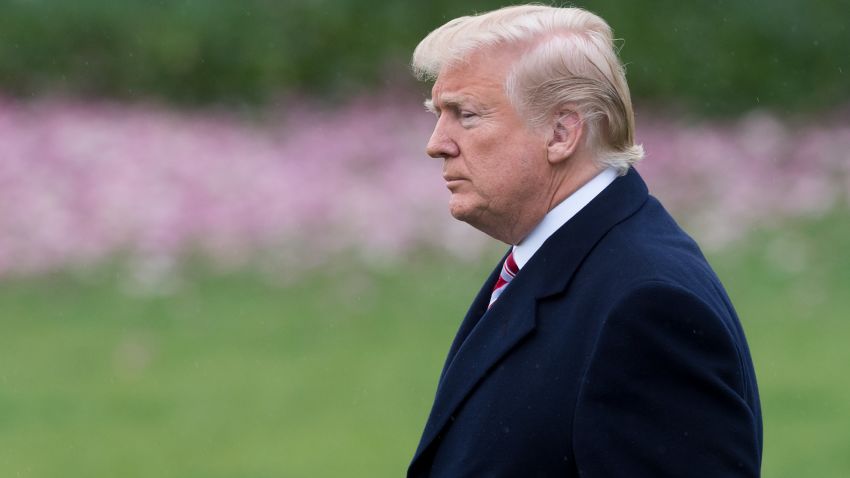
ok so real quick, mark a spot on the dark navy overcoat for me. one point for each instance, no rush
(615, 352)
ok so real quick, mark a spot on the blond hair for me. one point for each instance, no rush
(568, 59)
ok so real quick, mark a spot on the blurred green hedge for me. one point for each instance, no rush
(711, 56)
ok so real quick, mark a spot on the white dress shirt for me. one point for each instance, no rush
(560, 214)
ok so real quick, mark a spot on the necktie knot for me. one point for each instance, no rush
(509, 270)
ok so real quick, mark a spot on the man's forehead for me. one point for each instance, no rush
(462, 81)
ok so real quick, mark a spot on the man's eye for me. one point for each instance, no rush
(467, 114)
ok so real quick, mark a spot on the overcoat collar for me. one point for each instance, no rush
(486, 336)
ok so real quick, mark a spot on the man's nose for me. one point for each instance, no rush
(441, 145)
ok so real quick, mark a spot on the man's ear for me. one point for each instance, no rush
(567, 132)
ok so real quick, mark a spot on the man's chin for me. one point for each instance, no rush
(458, 214)
(475, 217)
(458, 210)
(463, 212)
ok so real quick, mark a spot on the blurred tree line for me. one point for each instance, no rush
(712, 56)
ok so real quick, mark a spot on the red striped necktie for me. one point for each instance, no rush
(509, 270)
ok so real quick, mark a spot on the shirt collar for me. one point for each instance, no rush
(560, 214)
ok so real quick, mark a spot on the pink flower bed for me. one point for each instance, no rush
(721, 180)
(82, 182)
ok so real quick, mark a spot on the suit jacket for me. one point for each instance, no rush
(615, 352)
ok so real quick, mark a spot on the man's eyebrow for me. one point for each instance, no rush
(429, 105)
(449, 101)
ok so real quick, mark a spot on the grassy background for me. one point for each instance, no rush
(334, 375)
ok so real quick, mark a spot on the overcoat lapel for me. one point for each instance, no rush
(486, 336)
(473, 315)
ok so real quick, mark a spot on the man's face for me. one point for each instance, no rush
(494, 165)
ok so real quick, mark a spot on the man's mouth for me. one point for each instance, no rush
(453, 181)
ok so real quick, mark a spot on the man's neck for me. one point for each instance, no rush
(560, 214)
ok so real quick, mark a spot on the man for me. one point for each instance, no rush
(604, 345)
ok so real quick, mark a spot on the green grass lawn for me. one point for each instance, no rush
(333, 376)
